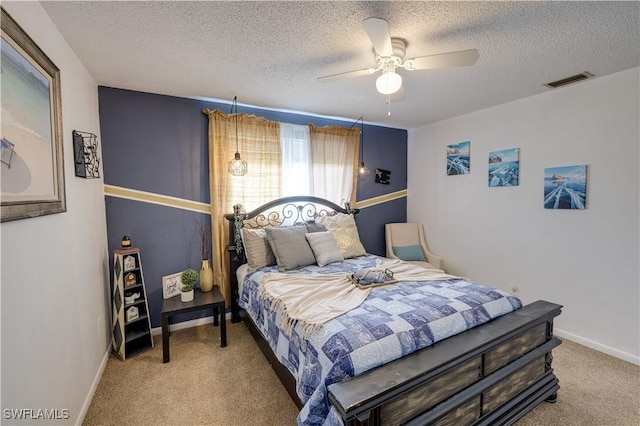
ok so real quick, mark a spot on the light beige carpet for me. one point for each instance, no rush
(206, 384)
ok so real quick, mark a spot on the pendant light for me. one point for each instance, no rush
(363, 171)
(237, 166)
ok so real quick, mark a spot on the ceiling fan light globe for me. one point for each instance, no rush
(389, 82)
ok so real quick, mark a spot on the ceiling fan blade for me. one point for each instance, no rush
(333, 77)
(462, 58)
(378, 31)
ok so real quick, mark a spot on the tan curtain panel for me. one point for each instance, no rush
(259, 145)
(334, 158)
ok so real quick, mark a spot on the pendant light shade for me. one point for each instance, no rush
(389, 82)
(237, 166)
(363, 171)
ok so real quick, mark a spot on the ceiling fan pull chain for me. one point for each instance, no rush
(389, 104)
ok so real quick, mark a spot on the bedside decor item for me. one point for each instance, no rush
(565, 187)
(504, 167)
(188, 279)
(129, 263)
(131, 324)
(458, 159)
(132, 314)
(171, 285)
(237, 166)
(130, 279)
(85, 154)
(126, 242)
(131, 298)
(206, 273)
(206, 276)
(34, 184)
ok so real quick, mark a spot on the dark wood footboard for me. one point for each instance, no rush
(491, 374)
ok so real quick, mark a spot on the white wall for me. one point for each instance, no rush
(55, 290)
(585, 260)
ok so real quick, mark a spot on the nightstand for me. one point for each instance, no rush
(210, 300)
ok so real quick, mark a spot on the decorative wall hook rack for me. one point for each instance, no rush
(85, 154)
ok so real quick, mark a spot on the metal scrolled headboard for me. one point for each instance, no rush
(285, 211)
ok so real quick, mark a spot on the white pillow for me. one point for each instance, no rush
(257, 248)
(325, 248)
(343, 227)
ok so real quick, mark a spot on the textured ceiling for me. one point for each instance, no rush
(271, 53)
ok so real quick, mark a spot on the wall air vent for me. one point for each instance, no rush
(573, 79)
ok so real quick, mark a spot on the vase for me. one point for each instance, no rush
(186, 296)
(206, 276)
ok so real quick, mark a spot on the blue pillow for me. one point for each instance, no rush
(409, 253)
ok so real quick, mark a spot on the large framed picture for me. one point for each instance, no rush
(32, 181)
(171, 285)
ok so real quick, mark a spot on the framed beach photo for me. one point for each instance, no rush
(171, 285)
(32, 180)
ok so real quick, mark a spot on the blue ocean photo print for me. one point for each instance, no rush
(504, 167)
(458, 159)
(565, 187)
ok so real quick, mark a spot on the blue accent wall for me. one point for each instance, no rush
(159, 144)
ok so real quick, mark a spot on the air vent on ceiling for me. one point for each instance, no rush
(573, 79)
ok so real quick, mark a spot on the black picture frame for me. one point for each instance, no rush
(383, 176)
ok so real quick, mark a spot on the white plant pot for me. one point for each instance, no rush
(186, 296)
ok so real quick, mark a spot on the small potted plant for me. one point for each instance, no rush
(188, 278)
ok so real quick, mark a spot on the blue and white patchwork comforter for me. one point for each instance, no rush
(394, 321)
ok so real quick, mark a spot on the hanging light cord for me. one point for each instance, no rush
(237, 166)
(363, 171)
(361, 120)
(235, 103)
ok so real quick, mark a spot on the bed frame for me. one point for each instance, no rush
(492, 374)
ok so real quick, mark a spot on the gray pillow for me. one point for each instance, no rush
(290, 247)
(313, 226)
(324, 247)
(257, 248)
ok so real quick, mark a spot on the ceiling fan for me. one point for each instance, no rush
(390, 53)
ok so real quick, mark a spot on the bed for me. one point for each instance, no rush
(445, 352)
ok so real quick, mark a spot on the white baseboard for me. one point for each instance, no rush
(634, 359)
(188, 324)
(94, 386)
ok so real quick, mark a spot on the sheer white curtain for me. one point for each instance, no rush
(334, 159)
(297, 178)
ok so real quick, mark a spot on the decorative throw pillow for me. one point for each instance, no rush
(290, 247)
(257, 248)
(343, 227)
(409, 253)
(325, 248)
